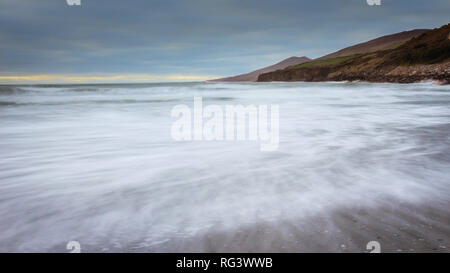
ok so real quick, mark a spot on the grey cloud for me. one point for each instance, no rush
(219, 37)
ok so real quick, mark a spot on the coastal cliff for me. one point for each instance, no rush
(425, 57)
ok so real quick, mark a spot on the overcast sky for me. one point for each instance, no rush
(164, 40)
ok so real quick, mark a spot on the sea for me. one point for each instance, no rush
(97, 164)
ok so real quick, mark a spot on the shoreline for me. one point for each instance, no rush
(409, 228)
(399, 227)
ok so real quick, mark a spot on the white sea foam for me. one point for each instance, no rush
(97, 164)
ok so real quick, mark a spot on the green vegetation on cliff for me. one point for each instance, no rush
(332, 61)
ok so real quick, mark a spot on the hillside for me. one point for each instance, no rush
(381, 43)
(424, 57)
(253, 76)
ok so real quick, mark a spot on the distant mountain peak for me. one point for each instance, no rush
(295, 58)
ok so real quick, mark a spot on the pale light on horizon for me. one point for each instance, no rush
(82, 78)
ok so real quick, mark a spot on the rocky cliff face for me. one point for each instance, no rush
(400, 74)
(426, 57)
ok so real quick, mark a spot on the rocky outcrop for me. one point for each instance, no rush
(400, 74)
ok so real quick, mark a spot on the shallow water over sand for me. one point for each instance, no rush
(97, 164)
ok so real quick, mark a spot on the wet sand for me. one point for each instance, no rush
(398, 227)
